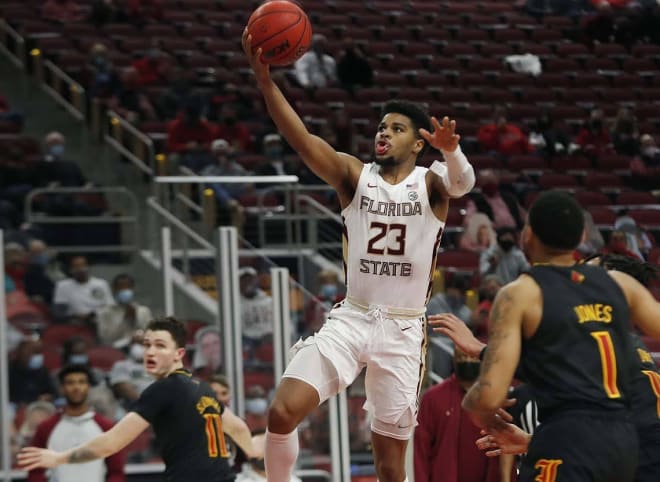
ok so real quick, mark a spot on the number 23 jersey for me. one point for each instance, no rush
(391, 238)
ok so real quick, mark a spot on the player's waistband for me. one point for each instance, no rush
(586, 411)
(388, 311)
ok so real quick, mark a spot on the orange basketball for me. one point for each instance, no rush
(282, 30)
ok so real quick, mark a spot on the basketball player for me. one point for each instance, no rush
(571, 325)
(393, 213)
(188, 420)
(645, 382)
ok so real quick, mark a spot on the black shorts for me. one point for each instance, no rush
(582, 447)
(648, 469)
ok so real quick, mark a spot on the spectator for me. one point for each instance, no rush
(35, 413)
(546, 137)
(505, 259)
(646, 167)
(152, 68)
(207, 359)
(15, 264)
(190, 136)
(593, 139)
(220, 385)
(256, 408)
(80, 295)
(478, 234)
(625, 133)
(490, 285)
(233, 130)
(275, 165)
(592, 240)
(501, 207)
(130, 102)
(353, 68)
(256, 309)
(128, 378)
(77, 423)
(502, 137)
(316, 68)
(180, 84)
(618, 244)
(39, 285)
(64, 11)
(330, 291)
(117, 321)
(451, 301)
(444, 439)
(105, 82)
(56, 168)
(255, 470)
(29, 379)
(8, 116)
(225, 165)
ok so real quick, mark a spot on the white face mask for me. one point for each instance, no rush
(257, 406)
(136, 352)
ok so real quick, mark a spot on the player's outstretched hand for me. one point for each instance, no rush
(444, 136)
(509, 440)
(30, 458)
(261, 69)
(456, 329)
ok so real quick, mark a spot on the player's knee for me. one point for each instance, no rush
(390, 470)
(281, 417)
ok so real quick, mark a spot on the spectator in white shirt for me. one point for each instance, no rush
(81, 295)
(118, 321)
(316, 68)
(128, 378)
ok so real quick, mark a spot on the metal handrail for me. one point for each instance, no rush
(77, 91)
(142, 144)
(173, 220)
(17, 58)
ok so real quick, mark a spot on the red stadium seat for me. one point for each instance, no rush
(602, 216)
(591, 198)
(458, 260)
(603, 180)
(613, 162)
(554, 181)
(646, 217)
(103, 357)
(58, 334)
(265, 379)
(636, 197)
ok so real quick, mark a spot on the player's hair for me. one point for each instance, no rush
(75, 368)
(219, 379)
(417, 114)
(173, 326)
(642, 271)
(557, 220)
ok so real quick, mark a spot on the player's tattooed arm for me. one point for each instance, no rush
(489, 392)
(82, 455)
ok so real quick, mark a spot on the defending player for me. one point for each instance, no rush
(570, 322)
(188, 420)
(393, 213)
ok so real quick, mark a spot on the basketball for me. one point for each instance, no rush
(282, 30)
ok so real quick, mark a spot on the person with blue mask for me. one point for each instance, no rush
(39, 285)
(29, 379)
(118, 321)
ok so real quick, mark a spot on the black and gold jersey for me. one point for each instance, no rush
(645, 390)
(186, 418)
(581, 354)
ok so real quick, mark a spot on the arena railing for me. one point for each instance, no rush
(12, 44)
(61, 87)
(130, 142)
(116, 198)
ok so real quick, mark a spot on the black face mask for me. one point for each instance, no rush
(506, 244)
(596, 125)
(468, 371)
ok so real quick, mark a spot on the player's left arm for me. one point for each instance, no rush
(101, 446)
(237, 429)
(455, 176)
(644, 308)
(490, 390)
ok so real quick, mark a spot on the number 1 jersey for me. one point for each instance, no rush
(391, 238)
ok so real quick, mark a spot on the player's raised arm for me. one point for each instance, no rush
(337, 169)
(455, 176)
(489, 392)
(101, 446)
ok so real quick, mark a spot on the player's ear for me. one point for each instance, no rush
(180, 353)
(419, 145)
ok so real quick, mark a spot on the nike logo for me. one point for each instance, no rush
(372, 185)
(406, 426)
(407, 328)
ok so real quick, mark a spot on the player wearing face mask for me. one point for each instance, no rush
(505, 259)
(118, 321)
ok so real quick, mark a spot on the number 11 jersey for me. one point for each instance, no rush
(390, 240)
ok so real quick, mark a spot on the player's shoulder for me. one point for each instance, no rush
(523, 286)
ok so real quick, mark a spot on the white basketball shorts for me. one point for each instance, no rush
(391, 349)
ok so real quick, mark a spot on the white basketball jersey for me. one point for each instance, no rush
(391, 238)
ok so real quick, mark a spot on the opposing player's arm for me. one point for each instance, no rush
(339, 170)
(455, 176)
(644, 309)
(489, 392)
(104, 445)
(237, 429)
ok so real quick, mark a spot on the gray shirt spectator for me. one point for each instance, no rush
(504, 259)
